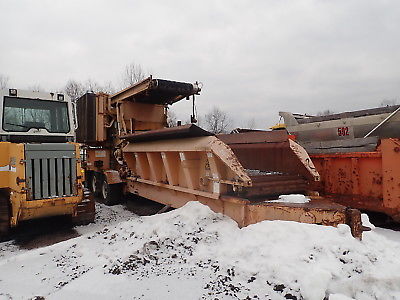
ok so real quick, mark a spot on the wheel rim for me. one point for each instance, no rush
(94, 183)
(104, 190)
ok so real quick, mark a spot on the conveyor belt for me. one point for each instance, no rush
(157, 91)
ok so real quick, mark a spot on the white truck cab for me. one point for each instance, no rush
(27, 116)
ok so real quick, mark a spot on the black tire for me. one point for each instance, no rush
(4, 216)
(95, 183)
(111, 193)
(88, 178)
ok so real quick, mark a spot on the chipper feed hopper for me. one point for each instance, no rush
(237, 175)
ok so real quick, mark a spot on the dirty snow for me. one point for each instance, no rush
(105, 215)
(193, 253)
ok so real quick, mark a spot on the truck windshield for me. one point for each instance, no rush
(21, 114)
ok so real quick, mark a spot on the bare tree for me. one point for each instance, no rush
(389, 102)
(3, 81)
(171, 118)
(133, 73)
(95, 87)
(217, 121)
(325, 112)
(74, 89)
(92, 86)
(107, 88)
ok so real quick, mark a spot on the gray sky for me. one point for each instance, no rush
(254, 58)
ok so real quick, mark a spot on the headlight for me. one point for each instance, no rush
(12, 92)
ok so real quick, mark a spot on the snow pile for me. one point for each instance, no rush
(365, 221)
(193, 253)
(106, 215)
(292, 198)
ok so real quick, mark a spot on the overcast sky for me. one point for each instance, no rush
(254, 58)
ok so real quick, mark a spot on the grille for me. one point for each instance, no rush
(50, 170)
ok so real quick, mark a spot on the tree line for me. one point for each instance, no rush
(215, 120)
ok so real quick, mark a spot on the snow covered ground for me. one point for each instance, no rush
(193, 253)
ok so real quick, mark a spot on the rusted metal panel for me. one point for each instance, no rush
(363, 180)
(390, 149)
(271, 151)
(275, 185)
(317, 211)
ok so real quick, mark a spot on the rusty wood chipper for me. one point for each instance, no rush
(129, 150)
